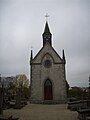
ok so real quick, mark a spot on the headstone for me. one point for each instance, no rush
(83, 114)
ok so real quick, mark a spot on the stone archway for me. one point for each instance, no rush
(48, 92)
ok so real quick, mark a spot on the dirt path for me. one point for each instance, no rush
(43, 112)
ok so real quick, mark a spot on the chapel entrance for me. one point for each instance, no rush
(48, 90)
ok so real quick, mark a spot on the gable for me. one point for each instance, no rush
(47, 49)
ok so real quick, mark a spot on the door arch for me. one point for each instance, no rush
(48, 92)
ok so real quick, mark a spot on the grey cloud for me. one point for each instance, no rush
(22, 24)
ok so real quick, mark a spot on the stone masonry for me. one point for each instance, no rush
(53, 71)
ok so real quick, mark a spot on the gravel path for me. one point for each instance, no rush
(43, 112)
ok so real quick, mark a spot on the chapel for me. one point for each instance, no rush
(47, 73)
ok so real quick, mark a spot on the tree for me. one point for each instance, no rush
(11, 91)
(22, 83)
(76, 92)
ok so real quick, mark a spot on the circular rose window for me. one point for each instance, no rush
(47, 63)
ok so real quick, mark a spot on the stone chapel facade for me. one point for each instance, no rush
(47, 73)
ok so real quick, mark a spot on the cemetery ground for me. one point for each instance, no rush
(43, 112)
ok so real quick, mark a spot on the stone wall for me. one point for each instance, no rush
(56, 73)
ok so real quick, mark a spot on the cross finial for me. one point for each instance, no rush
(31, 47)
(46, 16)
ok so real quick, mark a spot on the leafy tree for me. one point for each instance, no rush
(76, 92)
(23, 85)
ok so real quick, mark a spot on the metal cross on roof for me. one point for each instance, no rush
(46, 16)
(31, 47)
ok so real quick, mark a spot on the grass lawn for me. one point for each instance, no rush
(43, 112)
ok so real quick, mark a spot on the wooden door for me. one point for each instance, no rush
(48, 90)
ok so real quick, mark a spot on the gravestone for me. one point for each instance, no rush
(83, 114)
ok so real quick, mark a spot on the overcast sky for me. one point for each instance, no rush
(21, 26)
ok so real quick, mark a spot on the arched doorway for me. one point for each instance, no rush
(48, 95)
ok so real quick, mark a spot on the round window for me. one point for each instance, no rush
(47, 63)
